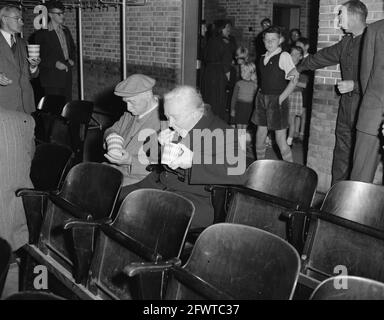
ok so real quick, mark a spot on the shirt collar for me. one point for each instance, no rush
(51, 27)
(7, 36)
(156, 104)
(270, 55)
(183, 132)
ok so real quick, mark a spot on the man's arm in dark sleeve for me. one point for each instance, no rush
(326, 57)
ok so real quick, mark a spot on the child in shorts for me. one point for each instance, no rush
(271, 109)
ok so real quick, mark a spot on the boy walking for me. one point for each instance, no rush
(272, 110)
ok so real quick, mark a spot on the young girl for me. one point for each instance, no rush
(271, 108)
(243, 95)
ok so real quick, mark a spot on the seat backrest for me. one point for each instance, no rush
(158, 220)
(79, 111)
(294, 186)
(52, 104)
(356, 201)
(241, 261)
(93, 187)
(5, 258)
(50, 164)
(34, 295)
(287, 180)
(336, 243)
(349, 288)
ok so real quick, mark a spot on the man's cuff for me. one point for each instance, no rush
(33, 69)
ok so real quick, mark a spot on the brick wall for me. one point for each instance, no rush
(325, 100)
(154, 36)
(246, 16)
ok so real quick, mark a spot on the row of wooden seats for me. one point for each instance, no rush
(51, 225)
(280, 215)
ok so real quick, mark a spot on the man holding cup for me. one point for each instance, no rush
(196, 151)
(57, 53)
(131, 142)
(16, 68)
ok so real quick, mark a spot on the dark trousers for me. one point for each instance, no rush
(203, 216)
(345, 137)
(366, 157)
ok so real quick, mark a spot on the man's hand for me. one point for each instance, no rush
(125, 159)
(345, 86)
(166, 136)
(70, 61)
(4, 81)
(61, 66)
(293, 74)
(281, 99)
(184, 161)
(34, 62)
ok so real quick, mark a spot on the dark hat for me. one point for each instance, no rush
(133, 85)
(55, 4)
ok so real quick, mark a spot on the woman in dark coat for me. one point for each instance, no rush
(218, 60)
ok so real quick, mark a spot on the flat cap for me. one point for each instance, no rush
(134, 85)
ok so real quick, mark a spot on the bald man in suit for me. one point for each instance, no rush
(368, 135)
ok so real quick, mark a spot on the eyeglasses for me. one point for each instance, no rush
(60, 13)
(19, 19)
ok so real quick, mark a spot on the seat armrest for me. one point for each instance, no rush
(199, 285)
(78, 223)
(70, 207)
(136, 268)
(154, 167)
(130, 243)
(25, 192)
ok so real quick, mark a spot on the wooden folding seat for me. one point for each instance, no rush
(150, 226)
(231, 261)
(89, 192)
(349, 288)
(270, 188)
(346, 235)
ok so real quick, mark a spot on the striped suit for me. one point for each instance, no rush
(16, 151)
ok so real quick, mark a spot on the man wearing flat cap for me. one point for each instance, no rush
(138, 127)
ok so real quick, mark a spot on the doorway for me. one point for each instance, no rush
(286, 16)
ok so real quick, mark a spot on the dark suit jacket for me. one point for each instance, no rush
(19, 94)
(372, 80)
(50, 52)
(221, 170)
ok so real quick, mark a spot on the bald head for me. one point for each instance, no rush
(182, 106)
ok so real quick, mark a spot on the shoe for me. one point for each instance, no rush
(289, 141)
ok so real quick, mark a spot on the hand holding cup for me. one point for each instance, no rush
(166, 136)
(171, 151)
(115, 145)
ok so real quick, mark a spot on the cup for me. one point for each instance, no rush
(33, 50)
(115, 145)
(171, 151)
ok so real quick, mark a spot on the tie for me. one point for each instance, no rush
(13, 43)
